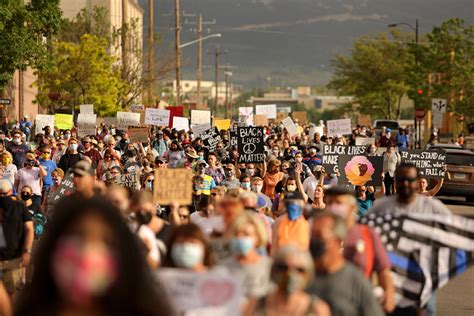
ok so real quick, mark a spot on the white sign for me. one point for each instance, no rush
(126, 119)
(86, 124)
(42, 121)
(339, 127)
(87, 108)
(290, 126)
(270, 110)
(157, 117)
(200, 117)
(316, 129)
(214, 292)
(247, 113)
(181, 123)
(365, 141)
(199, 129)
(285, 109)
(439, 105)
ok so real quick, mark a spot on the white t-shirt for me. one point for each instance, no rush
(29, 177)
(10, 173)
(422, 204)
(208, 224)
(145, 233)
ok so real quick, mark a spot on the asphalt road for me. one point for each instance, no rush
(457, 297)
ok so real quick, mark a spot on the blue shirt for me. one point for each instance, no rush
(364, 205)
(49, 166)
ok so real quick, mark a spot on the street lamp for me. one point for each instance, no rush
(415, 29)
(200, 40)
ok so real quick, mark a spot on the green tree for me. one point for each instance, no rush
(83, 73)
(374, 73)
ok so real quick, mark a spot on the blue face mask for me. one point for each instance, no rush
(201, 157)
(246, 185)
(73, 147)
(294, 210)
(241, 246)
(187, 255)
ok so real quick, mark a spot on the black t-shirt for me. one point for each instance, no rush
(69, 161)
(13, 215)
(18, 152)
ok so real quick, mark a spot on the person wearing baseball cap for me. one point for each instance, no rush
(84, 178)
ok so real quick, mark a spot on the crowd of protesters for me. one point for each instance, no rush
(292, 231)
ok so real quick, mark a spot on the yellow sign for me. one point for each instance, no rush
(222, 124)
(63, 121)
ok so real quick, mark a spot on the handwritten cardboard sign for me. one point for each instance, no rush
(222, 124)
(290, 126)
(250, 144)
(63, 121)
(211, 138)
(270, 110)
(200, 117)
(138, 134)
(129, 180)
(157, 117)
(365, 141)
(339, 127)
(173, 185)
(301, 116)
(430, 163)
(86, 108)
(260, 120)
(41, 121)
(86, 124)
(126, 119)
(66, 188)
(181, 123)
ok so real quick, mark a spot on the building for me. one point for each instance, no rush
(208, 90)
(22, 93)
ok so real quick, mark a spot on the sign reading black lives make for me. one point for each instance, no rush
(331, 153)
(430, 163)
(250, 144)
(211, 138)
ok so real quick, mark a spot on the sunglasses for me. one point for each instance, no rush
(283, 267)
(183, 216)
(107, 156)
(403, 179)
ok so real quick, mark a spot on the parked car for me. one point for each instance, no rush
(444, 146)
(393, 125)
(459, 178)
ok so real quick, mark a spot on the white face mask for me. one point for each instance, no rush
(291, 188)
(257, 188)
(339, 210)
(299, 159)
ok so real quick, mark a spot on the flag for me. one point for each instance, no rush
(425, 250)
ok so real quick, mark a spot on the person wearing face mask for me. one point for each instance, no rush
(372, 150)
(208, 182)
(338, 282)
(271, 178)
(291, 272)
(256, 187)
(245, 181)
(49, 166)
(105, 165)
(175, 155)
(57, 176)
(385, 139)
(206, 218)
(313, 159)
(9, 169)
(230, 182)
(191, 157)
(305, 169)
(91, 152)
(310, 184)
(31, 175)
(159, 144)
(39, 220)
(67, 135)
(18, 149)
(391, 159)
(71, 157)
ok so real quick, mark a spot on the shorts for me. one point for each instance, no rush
(13, 275)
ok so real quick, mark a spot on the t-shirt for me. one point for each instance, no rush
(10, 172)
(295, 232)
(18, 152)
(347, 292)
(49, 166)
(207, 224)
(145, 233)
(207, 184)
(69, 161)
(364, 205)
(422, 204)
(231, 184)
(29, 177)
(13, 215)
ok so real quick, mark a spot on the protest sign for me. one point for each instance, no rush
(126, 119)
(365, 141)
(364, 120)
(331, 154)
(290, 126)
(316, 129)
(250, 144)
(212, 292)
(173, 185)
(66, 188)
(339, 127)
(269, 110)
(86, 124)
(174, 111)
(233, 136)
(260, 120)
(138, 134)
(110, 121)
(360, 170)
(301, 116)
(211, 138)
(157, 117)
(199, 129)
(200, 117)
(41, 121)
(284, 109)
(180, 123)
(130, 180)
(222, 124)
(430, 163)
(280, 117)
(246, 112)
(137, 107)
(63, 121)
(86, 108)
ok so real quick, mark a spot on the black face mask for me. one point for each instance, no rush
(144, 218)
(25, 196)
(317, 248)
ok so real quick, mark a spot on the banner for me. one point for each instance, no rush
(250, 144)
(202, 293)
(181, 123)
(138, 134)
(246, 112)
(173, 185)
(430, 163)
(126, 119)
(157, 117)
(200, 117)
(86, 124)
(41, 121)
(339, 127)
(270, 110)
(331, 153)
(130, 180)
(86, 108)
(174, 111)
(211, 138)
(360, 170)
(63, 121)
(222, 124)
(66, 188)
(260, 120)
(290, 126)
(301, 116)
(365, 141)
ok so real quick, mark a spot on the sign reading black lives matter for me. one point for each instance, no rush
(430, 163)
(331, 153)
(250, 144)
(211, 138)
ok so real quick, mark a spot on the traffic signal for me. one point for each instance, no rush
(420, 91)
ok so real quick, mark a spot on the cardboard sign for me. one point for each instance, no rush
(280, 117)
(222, 124)
(211, 138)
(260, 120)
(200, 117)
(157, 117)
(86, 108)
(130, 180)
(66, 188)
(41, 121)
(138, 134)
(365, 141)
(290, 126)
(212, 292)
(63, 121)
(126, 119)
(331, 154)
(181, 123)
(173, 185)
(250, 144)
(339, 127)
(269, 110)
(364, 120)
(430, 163)
(301, 116)
(360, 170)
(86, 124)
(174, 111)
(247, 113)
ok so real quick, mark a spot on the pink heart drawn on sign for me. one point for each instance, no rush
(216, 293)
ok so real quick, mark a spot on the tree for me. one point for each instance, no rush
(374, 73)
(83, 73)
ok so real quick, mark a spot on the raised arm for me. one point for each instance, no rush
(299, 185)
(437, 187)
(381, 193)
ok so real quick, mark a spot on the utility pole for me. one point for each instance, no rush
(178, 53)
(199, 62)
(124, 34)
(227, 99)
(416, 125)
(150, 50)
(217, 53)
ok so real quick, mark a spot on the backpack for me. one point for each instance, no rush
(39, 221)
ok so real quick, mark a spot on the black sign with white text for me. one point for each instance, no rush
(211, 138)
(250, 144)
(331, 153)
(430, 163)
